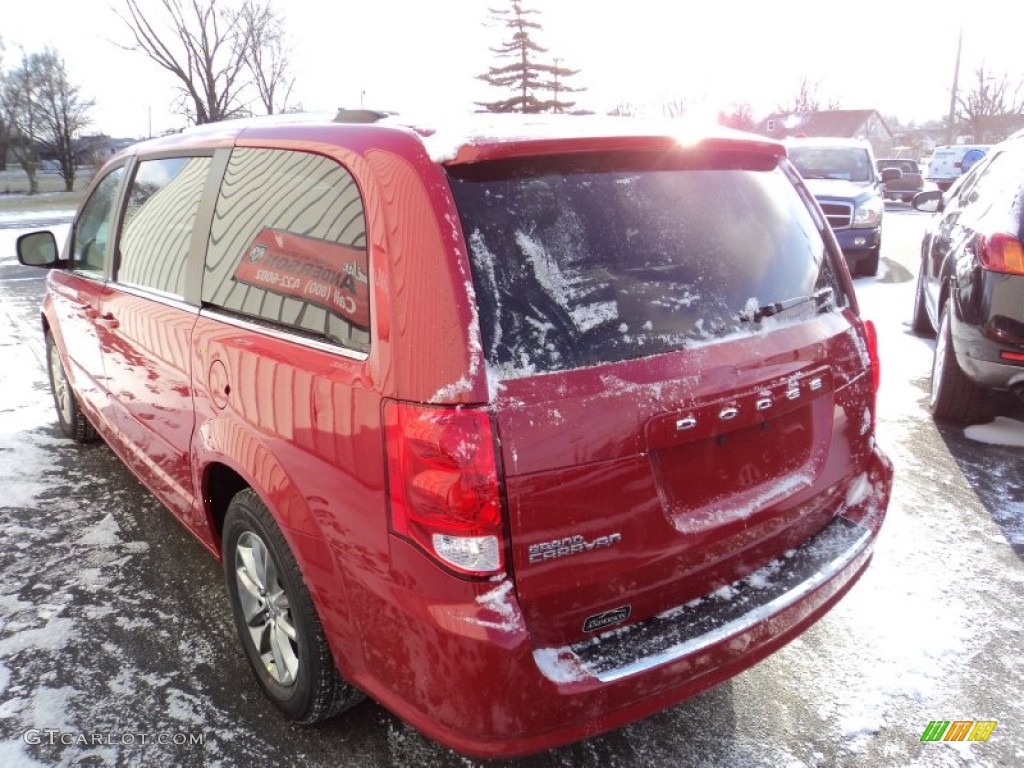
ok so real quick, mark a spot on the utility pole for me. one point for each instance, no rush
(956, 78)
(556, 109)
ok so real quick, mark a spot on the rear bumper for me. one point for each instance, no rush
(483, 689)
(809, 575)
(979, 357)
(988, 326)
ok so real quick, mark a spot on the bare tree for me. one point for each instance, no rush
(992, 108)
(673, 107)
(738, 116)
(808, 100)
(20, 106)
(4, 136)
(625, 109)
(216, 52)
(265, 53)
(43, 112)
(63, 113)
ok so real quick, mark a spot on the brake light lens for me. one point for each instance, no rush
(443, 484)
(1001, 253)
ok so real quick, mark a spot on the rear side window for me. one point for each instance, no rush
(288, 246)
(584, 261)
(158, 219)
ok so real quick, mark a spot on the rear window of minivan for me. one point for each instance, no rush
(584, 260)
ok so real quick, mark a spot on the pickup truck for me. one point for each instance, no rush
(842, 176)
(909, 183)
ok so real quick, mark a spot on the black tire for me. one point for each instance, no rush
(868, 267)
(275, 617)
(953, 396)
(73, 422)
(920, 323)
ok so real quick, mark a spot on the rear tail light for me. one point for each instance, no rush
(443, 485)
(1001, 253)
(871, 335)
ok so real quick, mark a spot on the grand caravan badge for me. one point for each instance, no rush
(570, 545)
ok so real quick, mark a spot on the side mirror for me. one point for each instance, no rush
(929, 201)
(891, 174)
(38, 249)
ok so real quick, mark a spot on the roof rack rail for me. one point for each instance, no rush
(360, 115)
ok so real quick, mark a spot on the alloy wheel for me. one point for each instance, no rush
(939, 361)
(61, 390)
(266, 608)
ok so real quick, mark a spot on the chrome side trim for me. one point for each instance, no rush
(152, 294)
(292, 338)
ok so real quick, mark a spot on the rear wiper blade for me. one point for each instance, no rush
(774, 308)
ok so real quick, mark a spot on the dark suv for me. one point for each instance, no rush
(842, 175)
(970, 285)
(526, 429)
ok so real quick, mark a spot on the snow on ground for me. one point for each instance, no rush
(30, 217)
(917, 634)
(78, 634)
(1002, 431)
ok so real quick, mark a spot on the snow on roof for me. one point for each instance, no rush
(444, 138)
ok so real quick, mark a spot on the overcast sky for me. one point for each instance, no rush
(896, 56)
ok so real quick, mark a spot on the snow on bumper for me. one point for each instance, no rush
(792, 587)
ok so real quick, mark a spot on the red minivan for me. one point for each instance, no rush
(525, 428)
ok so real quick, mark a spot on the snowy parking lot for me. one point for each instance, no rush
(117, 647)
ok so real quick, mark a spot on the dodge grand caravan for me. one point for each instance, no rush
(525, 430)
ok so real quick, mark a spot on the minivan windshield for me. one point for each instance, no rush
(595, 259)
(847, 163)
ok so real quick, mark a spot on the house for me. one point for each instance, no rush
(97, 149)
(847, 123)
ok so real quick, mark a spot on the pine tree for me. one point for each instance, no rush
(535, 86)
